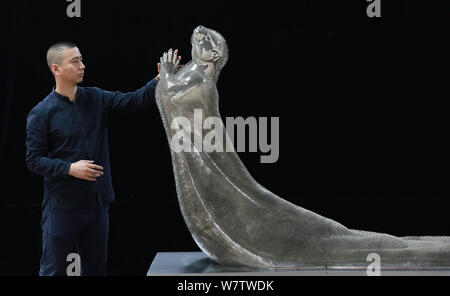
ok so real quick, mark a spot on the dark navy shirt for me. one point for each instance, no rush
(61, 132)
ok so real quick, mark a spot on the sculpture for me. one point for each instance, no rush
(235, 220)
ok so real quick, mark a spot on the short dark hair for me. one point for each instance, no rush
(54, 55)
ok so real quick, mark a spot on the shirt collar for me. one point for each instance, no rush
(64, 98)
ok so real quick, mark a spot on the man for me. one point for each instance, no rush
(67, 143)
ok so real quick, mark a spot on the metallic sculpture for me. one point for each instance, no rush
(235, 220)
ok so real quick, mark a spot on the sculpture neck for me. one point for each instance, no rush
(207, 69)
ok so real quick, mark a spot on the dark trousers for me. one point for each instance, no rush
(84, 232)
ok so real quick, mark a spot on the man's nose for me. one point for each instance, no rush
(82, 66)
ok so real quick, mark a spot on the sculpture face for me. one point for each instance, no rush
(208, 46)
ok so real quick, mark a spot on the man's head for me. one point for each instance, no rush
(66, 63)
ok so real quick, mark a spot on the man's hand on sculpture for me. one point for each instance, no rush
(169, 61)
(159, 68)
(159, 71)
(86, 170)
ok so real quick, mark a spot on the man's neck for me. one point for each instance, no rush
(69, 91)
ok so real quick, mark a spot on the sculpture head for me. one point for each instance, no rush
(209, 48)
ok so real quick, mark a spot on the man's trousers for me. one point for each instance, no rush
(84, 232)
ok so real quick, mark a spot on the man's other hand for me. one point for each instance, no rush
(86, 170)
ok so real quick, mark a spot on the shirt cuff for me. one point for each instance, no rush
(67, 168)
(153, 82)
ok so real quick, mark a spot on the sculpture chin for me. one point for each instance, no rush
(207, 56)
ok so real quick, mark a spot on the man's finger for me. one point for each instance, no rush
(95, 173)
(92, 175)
(94, 166)
(159, 67)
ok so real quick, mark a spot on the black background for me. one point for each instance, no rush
(362, 105)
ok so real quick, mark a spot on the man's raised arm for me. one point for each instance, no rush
(130, 101)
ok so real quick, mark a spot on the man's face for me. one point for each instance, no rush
(72, 68)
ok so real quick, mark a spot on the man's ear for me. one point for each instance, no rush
(55, 69)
